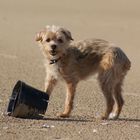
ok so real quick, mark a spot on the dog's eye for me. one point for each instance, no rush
(60, 40)
(48, 40)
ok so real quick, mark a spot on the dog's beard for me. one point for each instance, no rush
(58, 53)
(54, 55)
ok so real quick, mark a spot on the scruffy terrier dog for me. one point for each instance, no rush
(75, 61)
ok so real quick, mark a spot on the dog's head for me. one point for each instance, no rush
(54, 40)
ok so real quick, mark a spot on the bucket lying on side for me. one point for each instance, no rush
(27, 101)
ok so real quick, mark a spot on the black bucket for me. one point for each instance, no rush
(27, 101)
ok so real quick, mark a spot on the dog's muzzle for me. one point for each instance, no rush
(53, 46)
(53, 50)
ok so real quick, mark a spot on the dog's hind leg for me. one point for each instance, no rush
(119, 101)
(106, 83)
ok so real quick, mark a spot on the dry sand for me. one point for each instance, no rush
(20, 58)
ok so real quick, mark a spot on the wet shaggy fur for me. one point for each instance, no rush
(75, 61)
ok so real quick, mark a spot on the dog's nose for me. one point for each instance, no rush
(53, 46)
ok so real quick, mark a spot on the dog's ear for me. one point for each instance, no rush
(39, 36)
(66, 33)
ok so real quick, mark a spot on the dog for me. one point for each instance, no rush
(75, 61)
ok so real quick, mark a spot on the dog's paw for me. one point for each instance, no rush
(63, 115)
(113, 116)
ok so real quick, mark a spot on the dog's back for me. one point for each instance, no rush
(94, 51)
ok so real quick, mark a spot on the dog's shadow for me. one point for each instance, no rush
(70, 119)
(128, 120)
(90, 120)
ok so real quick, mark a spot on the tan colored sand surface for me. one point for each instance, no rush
(20, 58)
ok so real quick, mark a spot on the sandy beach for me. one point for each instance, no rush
(21, 59)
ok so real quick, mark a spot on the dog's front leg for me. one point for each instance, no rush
(71, 87)
(50, 82)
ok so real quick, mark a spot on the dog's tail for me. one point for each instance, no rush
(114, 56)
(121, 57)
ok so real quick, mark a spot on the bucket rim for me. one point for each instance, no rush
(14, 97)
